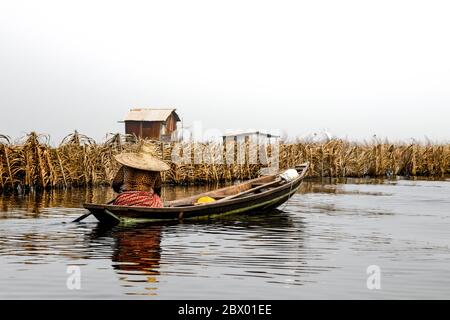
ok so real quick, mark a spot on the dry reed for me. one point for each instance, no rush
(80, 161)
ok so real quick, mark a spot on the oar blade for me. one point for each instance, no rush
(81, 218)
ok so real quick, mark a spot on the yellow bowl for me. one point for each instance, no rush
(205, 200)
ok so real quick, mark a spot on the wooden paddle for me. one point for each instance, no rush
(84, 216)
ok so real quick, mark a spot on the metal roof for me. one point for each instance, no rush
(147, 114)
(249, 133)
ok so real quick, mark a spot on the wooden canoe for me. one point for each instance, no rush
(265, 193)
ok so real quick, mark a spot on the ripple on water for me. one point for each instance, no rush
(319, 246)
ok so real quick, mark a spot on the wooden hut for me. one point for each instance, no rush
(155, 124)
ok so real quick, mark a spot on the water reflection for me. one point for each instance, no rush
(135, 251)
(142, 252)
(35, 204)
(337, 186)
(319, 245)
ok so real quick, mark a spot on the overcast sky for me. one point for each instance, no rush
(354, 68)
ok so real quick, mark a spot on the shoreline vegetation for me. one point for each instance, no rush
(80, 161)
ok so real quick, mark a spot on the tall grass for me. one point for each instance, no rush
(80, 161)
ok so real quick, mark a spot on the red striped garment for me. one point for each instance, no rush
(138, 199)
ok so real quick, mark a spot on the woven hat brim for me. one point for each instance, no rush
(141, 161)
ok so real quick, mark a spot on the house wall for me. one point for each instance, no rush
(151, 130)
(133, 127)
(171, 124)
(143, 129)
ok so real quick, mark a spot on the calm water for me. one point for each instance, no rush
(318, 246)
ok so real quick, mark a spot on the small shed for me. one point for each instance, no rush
(256, 137)
(149, 123)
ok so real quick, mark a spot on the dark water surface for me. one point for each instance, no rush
(318, 246)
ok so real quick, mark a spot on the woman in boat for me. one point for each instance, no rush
(138, 181)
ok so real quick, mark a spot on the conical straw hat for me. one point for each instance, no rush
(143, 160)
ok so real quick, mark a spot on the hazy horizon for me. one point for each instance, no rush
(355, 69)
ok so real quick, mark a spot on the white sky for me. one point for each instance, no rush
(355, 68)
